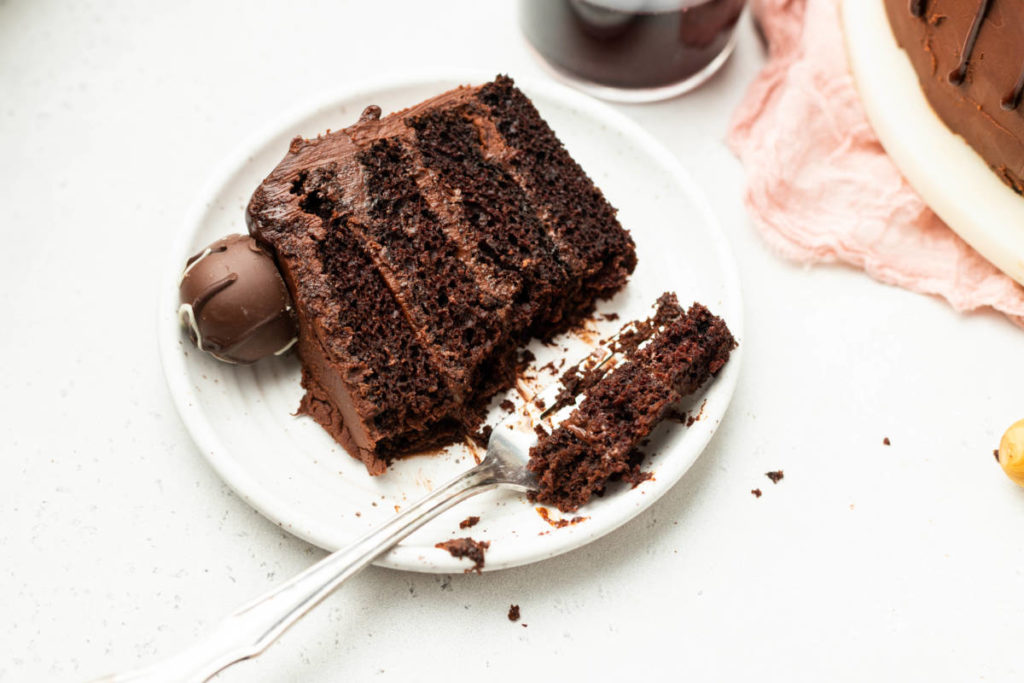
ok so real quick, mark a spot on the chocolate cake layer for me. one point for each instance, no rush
(665, 358)
(368, 362)
(969, 57)
(577, 214)
(419, 258)
(496, 214)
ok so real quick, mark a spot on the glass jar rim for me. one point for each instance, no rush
(644, 6)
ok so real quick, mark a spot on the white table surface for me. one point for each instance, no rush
(119, 544)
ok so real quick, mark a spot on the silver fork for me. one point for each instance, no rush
(250, 630)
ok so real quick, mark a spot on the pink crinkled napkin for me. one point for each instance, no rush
(820, 187)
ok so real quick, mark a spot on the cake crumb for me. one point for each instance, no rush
(507, 405)
(886, 442)
(636, 476)
(482, 436)
(775, 476)
(700, 413)
(756, 492)
(524, 358)
(676, 415)
(995, 454)
(558, 523)
(468, 522)
(548, 367)
(513, 613)
(467, 548)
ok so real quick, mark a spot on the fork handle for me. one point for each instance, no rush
(253, 627)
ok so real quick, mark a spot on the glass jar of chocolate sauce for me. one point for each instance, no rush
(632, 50)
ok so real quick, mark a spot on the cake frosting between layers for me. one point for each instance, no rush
(969, 58)
(421, 249)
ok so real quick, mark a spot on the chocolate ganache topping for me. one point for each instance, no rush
(234, 302)
(969, 57)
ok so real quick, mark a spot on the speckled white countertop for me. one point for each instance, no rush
(119, 544)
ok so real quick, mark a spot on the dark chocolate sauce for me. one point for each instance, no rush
(1012, 99)
(213, 250)
(957, 75)
(613, 43)
(273, 320)
(211, 290)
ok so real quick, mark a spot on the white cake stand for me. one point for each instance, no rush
(949, 175)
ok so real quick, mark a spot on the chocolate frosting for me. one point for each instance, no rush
(333, 393)
(234, 302)
(969, 57)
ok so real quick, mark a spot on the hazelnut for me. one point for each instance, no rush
(1011, 452)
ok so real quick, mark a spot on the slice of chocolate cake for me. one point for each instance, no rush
(420, 250)
(665, 358)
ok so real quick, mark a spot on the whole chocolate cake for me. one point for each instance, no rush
(969, 56)
(420, 250)
(664, 359)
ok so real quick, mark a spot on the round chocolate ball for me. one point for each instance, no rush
(235, 303)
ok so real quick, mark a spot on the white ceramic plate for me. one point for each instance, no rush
(949, 175)
(290, 470)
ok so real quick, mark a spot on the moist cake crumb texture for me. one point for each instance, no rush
(665, 358)
(422, 250)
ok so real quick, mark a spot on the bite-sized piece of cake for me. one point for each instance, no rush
(664, 359)
(420, 250)
(467, 548)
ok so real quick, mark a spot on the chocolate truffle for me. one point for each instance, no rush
(234, 302)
